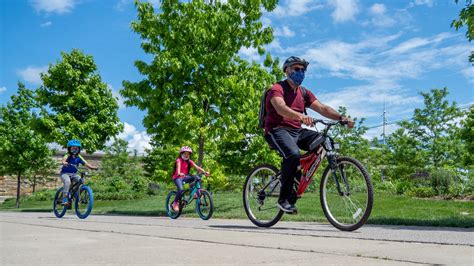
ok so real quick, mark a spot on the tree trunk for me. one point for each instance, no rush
(34, 183)
(205, 105)
(201, 151)
(18, 190)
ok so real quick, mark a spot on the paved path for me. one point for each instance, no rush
(40, 238)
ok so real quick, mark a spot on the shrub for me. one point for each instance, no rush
(420, 192)
(441, 180)
(386, 186)
(41, 195)
(402, 186)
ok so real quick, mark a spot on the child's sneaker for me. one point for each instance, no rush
(175, 206)
(66, 202)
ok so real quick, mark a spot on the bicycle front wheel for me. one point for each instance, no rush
(58, 208)
(346, 194)
(260, 196)
(84, 202)
(204, 205)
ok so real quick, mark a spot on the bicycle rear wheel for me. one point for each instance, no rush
(58, 208)
(260, 195)
(84, 202)
(204, 205)
(349, 208)
(170, 198)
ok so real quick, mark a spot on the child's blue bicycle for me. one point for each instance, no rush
(204, 203)
(80, 193)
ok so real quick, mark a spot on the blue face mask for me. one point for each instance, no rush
(297, 77)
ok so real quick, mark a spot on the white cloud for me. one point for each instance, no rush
(137, 140)
(250, 53)
(46, 24)
(345, 10)
(379, 16)
(32, 74)
(2, 89)
(372, 59)
(428, 3)
(296, 7)
(365, 100)
(284, 32)
(53, 6)
(118, 97)
(468, 73)
(377, 9)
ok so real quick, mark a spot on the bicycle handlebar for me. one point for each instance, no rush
(329, 122)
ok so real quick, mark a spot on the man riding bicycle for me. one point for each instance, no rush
(285, 105)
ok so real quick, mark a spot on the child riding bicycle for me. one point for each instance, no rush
(69, 169)
(181, 173)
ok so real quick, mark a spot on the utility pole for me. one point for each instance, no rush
(384, 123)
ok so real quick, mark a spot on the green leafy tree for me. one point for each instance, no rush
(76, 104)
(351, 140)
(434, 128)
(121, 176)
(404, 155)
(466, 18)
(41, 172)
(197, 89)
(21, 148)
(467, 135)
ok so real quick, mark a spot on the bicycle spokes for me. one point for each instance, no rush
(346, 194)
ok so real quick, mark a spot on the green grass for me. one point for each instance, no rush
(388, 209)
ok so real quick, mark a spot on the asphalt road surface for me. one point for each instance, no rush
(40, 238)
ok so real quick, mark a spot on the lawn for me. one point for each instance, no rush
(388, 209)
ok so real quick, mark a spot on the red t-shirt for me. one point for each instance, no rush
(185, 167)
(293, 100)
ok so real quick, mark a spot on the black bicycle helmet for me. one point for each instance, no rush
(293, 60)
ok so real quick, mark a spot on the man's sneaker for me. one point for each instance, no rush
(175, 206)
(286, 207)
(66, 202)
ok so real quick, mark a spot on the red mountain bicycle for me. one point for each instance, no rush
(346, 191)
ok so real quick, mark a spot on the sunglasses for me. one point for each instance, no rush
(299, 69)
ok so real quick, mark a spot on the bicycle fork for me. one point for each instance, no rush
(335, 168)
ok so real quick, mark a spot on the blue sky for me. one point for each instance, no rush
(362, 54)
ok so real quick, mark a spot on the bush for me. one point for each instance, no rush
(41, 195)
(441, 180)
(386, 186)
(402, 186)
(420, 192)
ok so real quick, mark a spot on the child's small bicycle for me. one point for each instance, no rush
(204, 203)
(81, 194)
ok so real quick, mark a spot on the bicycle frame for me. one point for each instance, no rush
(195, 190)
(309, 164)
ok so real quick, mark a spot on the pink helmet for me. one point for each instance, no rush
(186, 148)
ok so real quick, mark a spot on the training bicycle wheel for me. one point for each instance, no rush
(260, 195)
(204, 205)
(349, 208)
(58, 208)
(169, 209)
(84, 202)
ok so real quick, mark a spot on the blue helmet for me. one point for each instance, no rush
(74, 142)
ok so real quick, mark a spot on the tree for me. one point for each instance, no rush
(467, 135)
(21, 148)
(121, 176)
(197, 89)
(404, 155)
(466, 18)
(76, 104)
(41, 172)
(434, 128)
